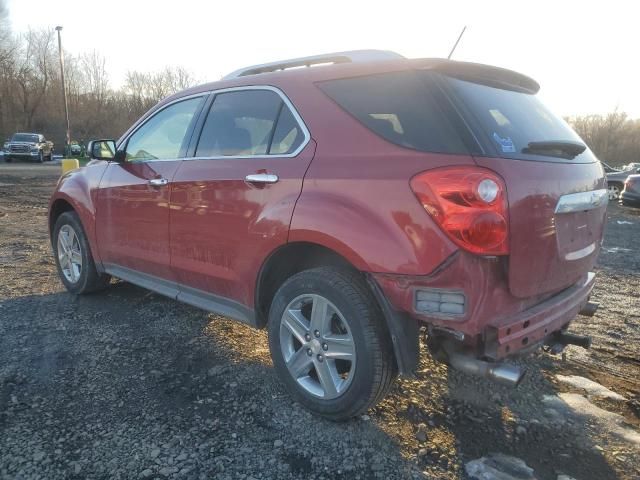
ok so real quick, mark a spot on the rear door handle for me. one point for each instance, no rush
(158, 182)
(261, 178)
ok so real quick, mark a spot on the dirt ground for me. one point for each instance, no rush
(128, 384)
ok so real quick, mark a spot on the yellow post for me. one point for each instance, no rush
(69, 164)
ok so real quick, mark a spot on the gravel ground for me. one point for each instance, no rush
(127, 384)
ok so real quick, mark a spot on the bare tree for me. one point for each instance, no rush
(147, 89)
(34, 71)
(613, 137)
(30, 86)
(96, 77)
(6, 40)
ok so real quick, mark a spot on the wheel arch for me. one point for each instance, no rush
(58, 207)
(295, 257)
(285, 261)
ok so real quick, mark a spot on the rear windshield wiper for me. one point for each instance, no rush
(555, 148)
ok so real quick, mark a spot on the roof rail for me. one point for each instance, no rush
(353, 56)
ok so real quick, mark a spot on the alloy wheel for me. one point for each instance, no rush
(69, 253)
(317, 346)
(614, 192)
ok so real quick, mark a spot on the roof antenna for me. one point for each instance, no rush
(456, 44)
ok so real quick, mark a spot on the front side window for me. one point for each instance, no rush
(245, 123)
(163, 135)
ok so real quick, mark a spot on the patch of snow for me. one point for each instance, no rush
(498, 466)
(624, 222)
(616, 250)
(589, 386)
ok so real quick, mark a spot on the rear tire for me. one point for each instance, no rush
(353, 348)
(74, 261)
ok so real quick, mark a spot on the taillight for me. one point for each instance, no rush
(469, 204)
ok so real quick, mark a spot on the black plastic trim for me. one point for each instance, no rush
(192, 296)
(404, 331)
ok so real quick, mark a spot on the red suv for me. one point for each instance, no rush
(345, 206)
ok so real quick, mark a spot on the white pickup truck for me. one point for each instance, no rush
(28, 146)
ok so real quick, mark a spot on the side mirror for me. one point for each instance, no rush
(102, 150)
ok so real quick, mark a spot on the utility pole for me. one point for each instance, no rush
(64, 92)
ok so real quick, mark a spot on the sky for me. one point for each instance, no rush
(583, 54)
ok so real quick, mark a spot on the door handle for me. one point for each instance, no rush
(261, 178)
(158, 182)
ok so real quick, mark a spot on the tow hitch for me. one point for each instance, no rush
(589, 309)
(561, 339)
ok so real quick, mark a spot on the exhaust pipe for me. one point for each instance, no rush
(567, 338)
(589, 309)
(503, 373)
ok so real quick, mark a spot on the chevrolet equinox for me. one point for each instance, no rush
(349, 203)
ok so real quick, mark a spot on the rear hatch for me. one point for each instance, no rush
(555, 185)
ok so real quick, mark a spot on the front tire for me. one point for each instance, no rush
(40, 157)
(74, 261)
(614, 190)
(329, 343)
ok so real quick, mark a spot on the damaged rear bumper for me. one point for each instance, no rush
(490, 324)
(537, 324)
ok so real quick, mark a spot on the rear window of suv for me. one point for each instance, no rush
(510, 120)
(400, 107)
(435, 112)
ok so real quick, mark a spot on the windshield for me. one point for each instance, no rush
(517, 124)
(24, 137)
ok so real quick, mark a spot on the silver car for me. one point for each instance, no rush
(616, 178)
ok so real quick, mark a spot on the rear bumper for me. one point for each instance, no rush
(532, 326)
(494, 323)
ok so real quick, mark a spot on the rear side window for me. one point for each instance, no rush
(287, 135)
(401, 107)
(511, 120)
(247, 123)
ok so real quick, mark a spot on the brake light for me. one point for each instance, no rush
(469, 204)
